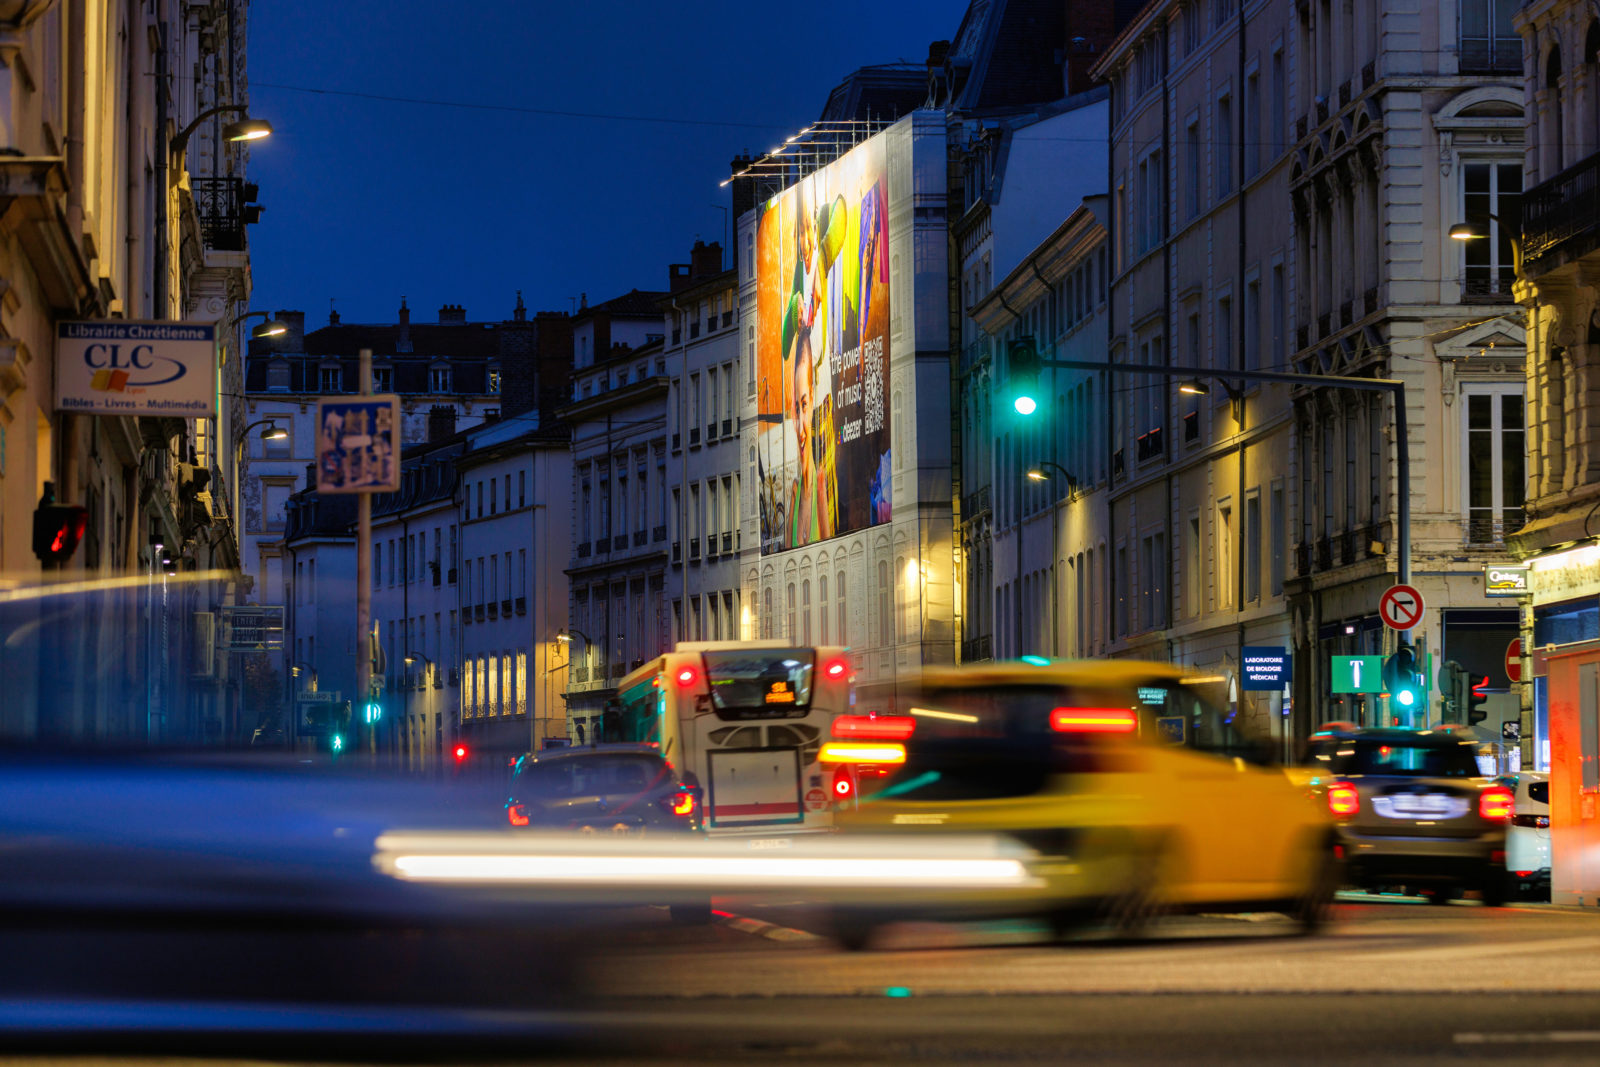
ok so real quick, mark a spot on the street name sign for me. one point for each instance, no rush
(358, 445)
(1356, 674)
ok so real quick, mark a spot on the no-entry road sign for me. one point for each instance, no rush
(1401, 607)
(1514, 660)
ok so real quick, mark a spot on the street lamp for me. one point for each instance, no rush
(296, 668)
(270, 328)
(1466, 231)
(1195, 387)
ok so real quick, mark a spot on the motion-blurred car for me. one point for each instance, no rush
(1414, 809)
(613, 789)
(1135, 793)
(1528, 840)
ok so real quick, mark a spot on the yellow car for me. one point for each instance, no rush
(1132, 792)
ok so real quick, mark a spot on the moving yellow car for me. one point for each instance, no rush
(1124, 779)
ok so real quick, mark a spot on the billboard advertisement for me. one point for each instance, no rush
(358, 445)
(124, 367)
(822, 353)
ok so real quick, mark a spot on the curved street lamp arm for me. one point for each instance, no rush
(179, 145)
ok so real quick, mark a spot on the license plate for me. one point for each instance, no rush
(1420, 806)
(771, 842)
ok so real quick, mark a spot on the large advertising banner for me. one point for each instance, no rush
(822, 352)
(124, 367)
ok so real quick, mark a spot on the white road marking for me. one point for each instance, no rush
(1552, 1037)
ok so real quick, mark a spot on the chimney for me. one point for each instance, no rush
(452, 313)
(403, 341)
(520, 314)
(705, 260)
(441, 423)
(295, 339)
(333, 317)
(744, 198)
(311, 475)
(678, 277)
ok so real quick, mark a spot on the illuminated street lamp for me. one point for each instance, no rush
(1467, 231)
(270, 328)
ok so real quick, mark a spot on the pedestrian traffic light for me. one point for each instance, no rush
(1476, 698)
(1454, 688)
(461, 753)
(336, 743)
(57, 528)
(1400, 679)
(1023, 375)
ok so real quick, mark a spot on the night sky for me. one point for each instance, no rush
(368, 200)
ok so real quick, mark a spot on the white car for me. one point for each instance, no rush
(1528, 841)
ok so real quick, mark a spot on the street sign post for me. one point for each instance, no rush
(1356, 674)
(1401, 607)
(1511, 730)
(1514, 660)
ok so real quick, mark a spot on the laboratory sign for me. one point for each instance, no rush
(123, 367)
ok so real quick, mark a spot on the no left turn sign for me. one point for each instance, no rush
(1401, 607)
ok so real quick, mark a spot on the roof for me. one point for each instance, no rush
(634, 302)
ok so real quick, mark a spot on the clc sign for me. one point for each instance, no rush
(120, 367)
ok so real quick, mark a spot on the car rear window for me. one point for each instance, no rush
(1398, 759)
(1539, 792)
(978, 744)
(588, 776)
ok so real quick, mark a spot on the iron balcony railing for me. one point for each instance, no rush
(1562, 214)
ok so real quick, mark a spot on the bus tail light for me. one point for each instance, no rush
(1344, 800)
(843, 787)
(687, 676)
(874, 752)
(836, 669)
(874, 727)
(517, 814)
(1497, 803)
(1093, 720)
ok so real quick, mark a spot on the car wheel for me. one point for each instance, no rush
(1493, 890)
(1144, 897)
(853, 931)
(1315, 907)
(1439, 894)
(695, 914)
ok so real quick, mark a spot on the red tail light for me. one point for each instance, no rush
(843, 787)
(837, 669)
(881, 752)
(875, 727)
(687, 676)
(1497, 804)
(1093, 720)
(683, 804)
(1344, 800)
(517, 814)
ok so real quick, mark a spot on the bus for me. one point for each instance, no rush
(748, 720)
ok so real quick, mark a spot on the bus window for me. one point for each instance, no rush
(760, 683)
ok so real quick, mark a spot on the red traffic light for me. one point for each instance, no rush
(460, 753)
(57, 529)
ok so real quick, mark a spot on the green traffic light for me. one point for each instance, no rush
(1405, 698)
(1025, 405)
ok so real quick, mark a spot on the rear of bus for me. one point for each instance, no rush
(751, 719)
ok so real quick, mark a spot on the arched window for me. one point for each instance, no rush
(805, 612)
(789, 631)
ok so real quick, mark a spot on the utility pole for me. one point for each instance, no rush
(364, 585)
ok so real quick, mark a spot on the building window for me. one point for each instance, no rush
(1488, 43)
(383, 379)
(1191, 167)
(494, 379)
(439, 379)
(1496, 467)
(838, 586)
(1280, 533)
(789, 631)
(1224, 555)
(1223, 138)
(1252, 125)
(1252, 548)
(1491, 189)
(330, 380)
(278, 376)
(885, 607)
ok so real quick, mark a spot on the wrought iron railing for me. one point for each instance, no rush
(221, 205)
(1562, 209)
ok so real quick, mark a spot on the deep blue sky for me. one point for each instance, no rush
(368, 200)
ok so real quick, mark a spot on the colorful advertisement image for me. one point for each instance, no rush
(822, 353)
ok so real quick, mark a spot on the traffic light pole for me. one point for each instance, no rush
(1393, 387)
(364, 588)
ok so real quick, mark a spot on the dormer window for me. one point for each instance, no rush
(330, 378)
(383, 379)
(278, 376)
(494, 379)
(439, 378)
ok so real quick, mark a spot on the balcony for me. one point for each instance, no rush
(694, 329)
(975, 504)
(1119, 463)
(1150, 444)
(711, 545)
(727, 318)
(727, 427)
(620, 541)
(494, 609)
(580, 673)
(522, 605)
(480, 612)
(694, 436)
(677, 551)
(505, 607)
(639, 538)
(1561, 217)
(1302, 558)
(224, 212)
(583, 550)
(727, 542)
(601, 545)
(711, 324)
(659, 533)
(1487, 289)
(618, 670)
(711, 432)
(694, 549)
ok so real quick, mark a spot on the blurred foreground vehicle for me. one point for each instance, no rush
(1528, 840)
(1414, 809)
(1075, 761)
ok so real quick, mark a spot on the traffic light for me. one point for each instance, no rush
(336, 743)
(372, 712)
(1454, 687)
(1476, 698)
(1400, 679)
(57, 528)
(460, 752)
(1023, 375)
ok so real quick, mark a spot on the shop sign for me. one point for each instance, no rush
(1505, 581)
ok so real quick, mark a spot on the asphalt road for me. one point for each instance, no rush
(1392, 982)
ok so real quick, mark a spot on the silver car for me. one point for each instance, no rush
(1414, 809)
(1528, 841)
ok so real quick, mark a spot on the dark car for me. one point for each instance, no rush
(1414, 809)
(612, 789)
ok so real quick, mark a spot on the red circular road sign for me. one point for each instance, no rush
(1401, 607)
(1514, 660)
(816, 799)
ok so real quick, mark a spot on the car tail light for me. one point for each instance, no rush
(1536, 821)
(683, 804)
(1524, 874)
(1497, 803)
(843, 787)
(1344, 799)
(881, 752)
(836, 669)
(517, 814)
(687, 676)
(877, 727)
(1093, 720)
